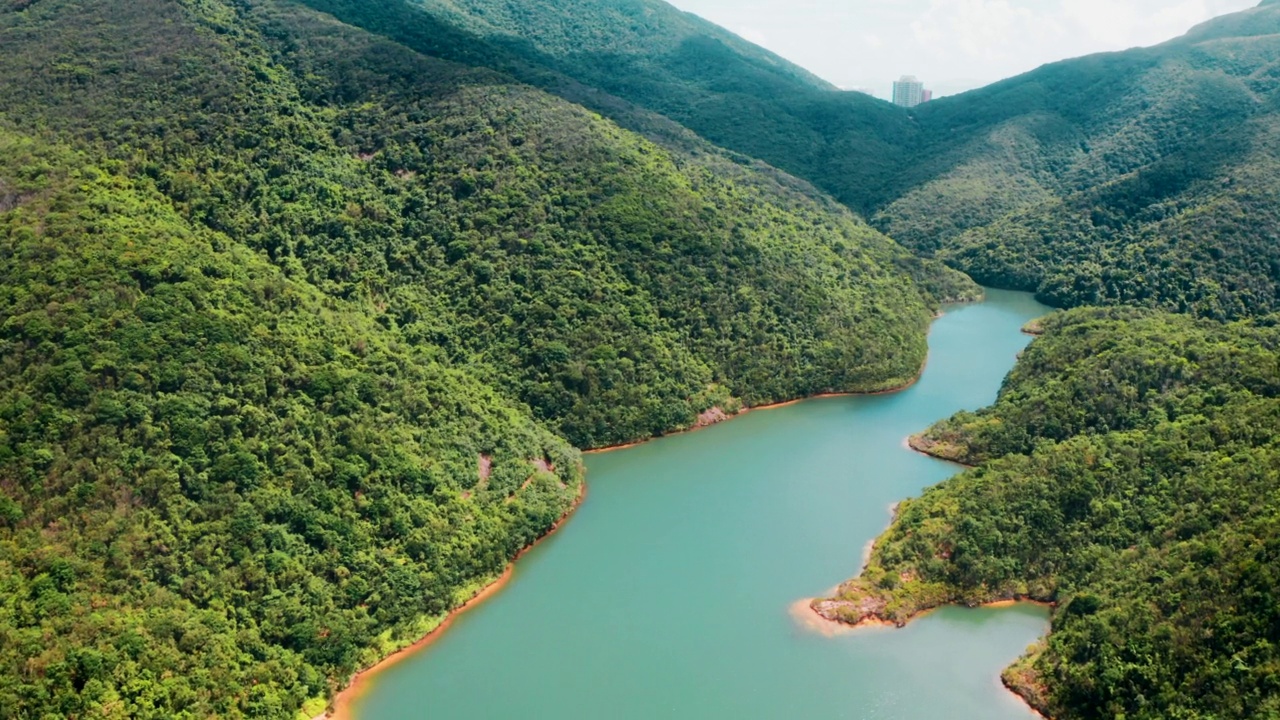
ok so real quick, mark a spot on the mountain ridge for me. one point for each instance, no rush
(980, 179)
(300, 328)
(306, 305)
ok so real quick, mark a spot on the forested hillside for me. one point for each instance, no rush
(300, 326)
(631, 59)
(1129, 473)
(1146, 177)
(304, 307)
(604, 281)
(221, 490)
(1142, 177)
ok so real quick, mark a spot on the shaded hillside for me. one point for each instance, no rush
(1139, 177)
(298, 326)
(611, 285)
(1129, 473)
(1145, 177)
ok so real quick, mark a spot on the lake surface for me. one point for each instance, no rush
(668, 594)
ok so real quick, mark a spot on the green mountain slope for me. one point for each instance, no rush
(1140, 177)
(1144, 177)
(304, 305)
(631, 59)
(299, 326)
(222, 491)
(602, 280)
(1129, 473)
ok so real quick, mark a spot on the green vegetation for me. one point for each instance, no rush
(299, 326)
(220, 490)
(1126, 471)
(644, 64)
(610, 285)
(1129, 472)
(1138, 178)
(304, 305)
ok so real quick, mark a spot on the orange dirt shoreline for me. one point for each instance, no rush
(787, 403)
(345, 699)
(360, 683)
(808, 618)
(760, 408)
(340, 708)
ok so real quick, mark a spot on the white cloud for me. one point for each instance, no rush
(1129, 23)
(870, 42)
(997, 38)
(979, 29)
(1105, 22)
(749, 33)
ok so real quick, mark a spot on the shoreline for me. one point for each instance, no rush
(909, 443)
(796, 401)
(808, 618)
(1026, 703)
(340, 708)
(877, 621)
(764, 408)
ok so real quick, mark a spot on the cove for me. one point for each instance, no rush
(669, 594)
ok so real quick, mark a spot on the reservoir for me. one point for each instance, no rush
(669, 593)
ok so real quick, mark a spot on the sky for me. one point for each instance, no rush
(952, 45)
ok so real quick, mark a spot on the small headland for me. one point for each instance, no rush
(889, 594)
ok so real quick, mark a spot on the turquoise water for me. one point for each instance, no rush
(668, 594)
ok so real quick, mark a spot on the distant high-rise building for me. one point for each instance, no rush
(908, 92)
(926, 96)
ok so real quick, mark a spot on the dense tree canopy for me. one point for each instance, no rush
(1130, 473)
(1146, 177)
(1143, 178)
(299, 325)
(220, 490)
(607, 283)
(304, 305)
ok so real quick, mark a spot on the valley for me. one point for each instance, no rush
(310, 309)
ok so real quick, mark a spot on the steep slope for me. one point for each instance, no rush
(1136, 177)
(297, 324)
(222, 492)
(625, 58)
(1129, 473)
(1144, 177)
(645, 35)
(617, 288)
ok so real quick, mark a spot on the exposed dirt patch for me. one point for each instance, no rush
(711, 417)
(863, 612)
(939, 449)
(10, 198)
